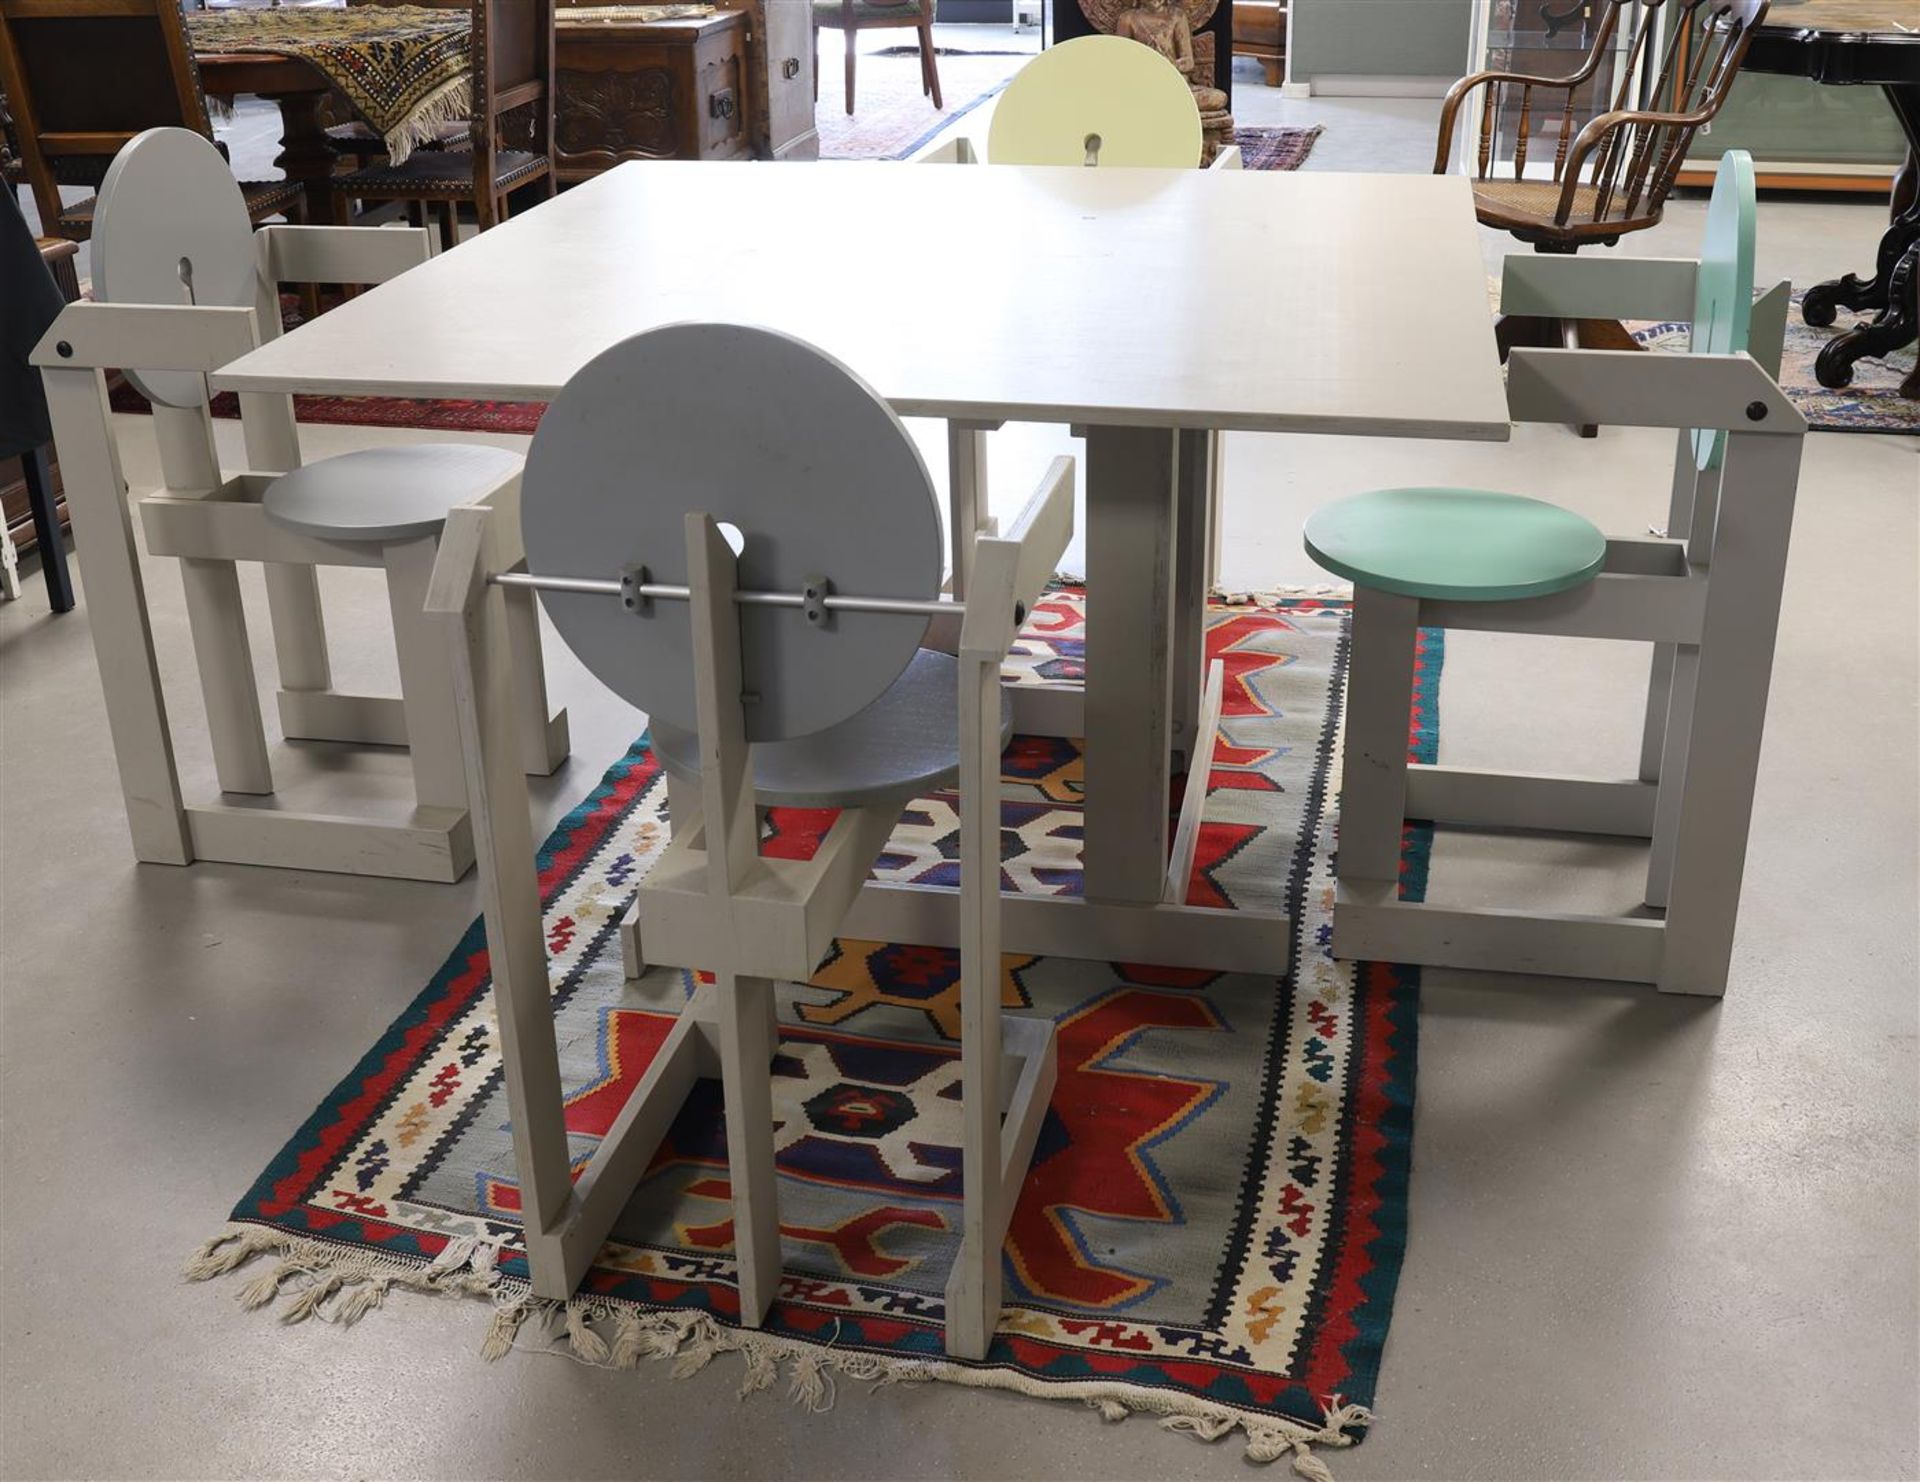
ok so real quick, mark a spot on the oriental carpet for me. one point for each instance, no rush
(1212, 1228)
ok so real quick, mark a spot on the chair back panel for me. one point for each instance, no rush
(1097, 100)
(516, 44)
(1723, 282)
(171, 227)
(767, 434)
(84, 76)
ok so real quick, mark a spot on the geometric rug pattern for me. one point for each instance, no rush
(1213, 1222)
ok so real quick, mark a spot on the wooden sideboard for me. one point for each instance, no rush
(731, 84)
(632, 89)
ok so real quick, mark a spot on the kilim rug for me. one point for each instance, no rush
(1214, 1221)
(1873, 402)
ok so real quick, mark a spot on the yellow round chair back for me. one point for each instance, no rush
(1097, 100)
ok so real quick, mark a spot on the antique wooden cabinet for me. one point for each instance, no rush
(628, 88)
(633, 84)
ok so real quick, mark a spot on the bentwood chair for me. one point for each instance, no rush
(82, 78)
(1707, 596)
(512, 75)
(1614, 176)
(736, 534)
(855, 16)
(184, 286)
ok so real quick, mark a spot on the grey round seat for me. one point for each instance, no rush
(386, 494)
(905, 743)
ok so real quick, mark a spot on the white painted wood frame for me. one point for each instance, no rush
(1292, 357)
(1708, 599)
(711, 901)
(209, 521)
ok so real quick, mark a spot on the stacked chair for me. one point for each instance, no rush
(1707, 597)
(186, 286)
(734, 533)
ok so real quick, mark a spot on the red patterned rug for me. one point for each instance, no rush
(1213, 1224)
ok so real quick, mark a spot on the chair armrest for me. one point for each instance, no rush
(1228, 159)
(459, 574)
(1010, 571)
(1603, 128)
(1630, 388)
(1598, 287)
(1457, 94)
(145, 337)
(340, 254)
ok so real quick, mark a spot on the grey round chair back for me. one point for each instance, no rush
(171, 227)
(766, 434)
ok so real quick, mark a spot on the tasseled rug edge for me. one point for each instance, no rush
(340, 1285)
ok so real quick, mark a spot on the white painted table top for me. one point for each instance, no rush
(1264, 301)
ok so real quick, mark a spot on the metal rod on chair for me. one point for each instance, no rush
(665, 592)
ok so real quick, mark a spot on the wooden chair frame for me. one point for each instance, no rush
(490, 105)
(920, 20)
(1707, 597)
(36, 145)
(211, 521)
(712, 902)
(1636, 153)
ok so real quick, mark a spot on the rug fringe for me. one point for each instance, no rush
(450, 103)
(341, 1286)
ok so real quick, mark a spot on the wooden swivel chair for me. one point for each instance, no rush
(82, 78)
(1612, 177)
(512, 72)
(855, 16)
(1706, 596)
(735, 534)
(184, 286)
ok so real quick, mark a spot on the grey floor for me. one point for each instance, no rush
(1650, 1238)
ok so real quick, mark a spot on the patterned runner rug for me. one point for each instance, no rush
(1213, 1225)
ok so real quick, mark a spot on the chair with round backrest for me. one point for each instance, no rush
(171, 229)
(1097, 100)
(1707, 599)
(733, 533)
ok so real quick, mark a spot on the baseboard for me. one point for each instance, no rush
(1359, 85)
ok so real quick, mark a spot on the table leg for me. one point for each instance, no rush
(1895, 324)
(1193, 573)
(304, 154)
(1132, 474)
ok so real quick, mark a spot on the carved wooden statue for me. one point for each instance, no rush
(1175, 29)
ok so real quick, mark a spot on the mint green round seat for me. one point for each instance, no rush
(1455, 545)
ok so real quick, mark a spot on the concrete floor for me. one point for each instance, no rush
(1650, 1238)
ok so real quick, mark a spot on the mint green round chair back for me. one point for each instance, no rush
(1723, 287)
(1097, 100)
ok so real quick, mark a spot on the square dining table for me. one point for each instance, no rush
(1147, 308)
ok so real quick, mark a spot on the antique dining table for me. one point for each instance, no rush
(1153, 307)
(1860, 43)
(300, 55)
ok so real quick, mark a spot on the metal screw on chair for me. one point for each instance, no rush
(1756, 411)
